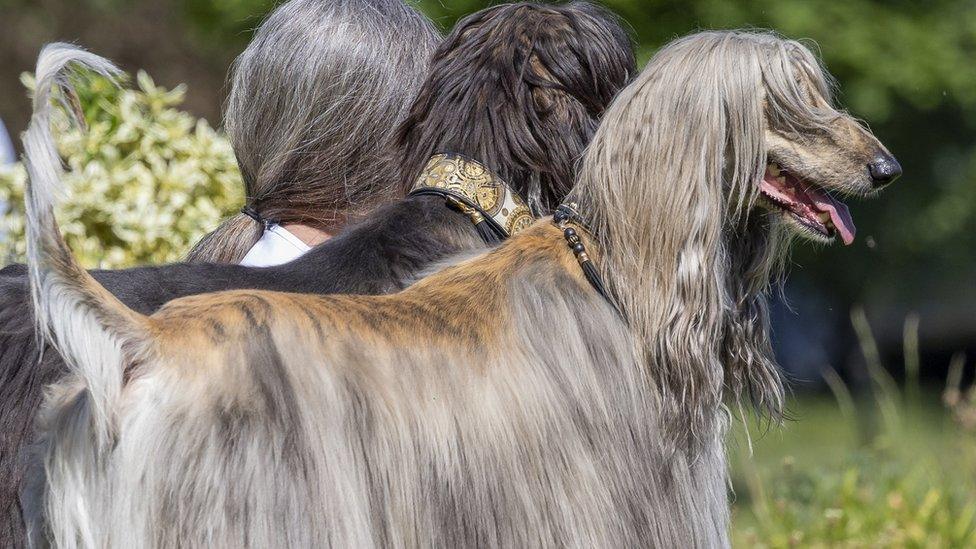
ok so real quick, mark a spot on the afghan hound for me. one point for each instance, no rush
(489, 75)
(564, 388)
(316, 69)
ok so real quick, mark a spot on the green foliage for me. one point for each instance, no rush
(867, 498)
(827, 480)
(218, 23)
(145, 180)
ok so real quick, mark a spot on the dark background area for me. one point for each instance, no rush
(908, 69)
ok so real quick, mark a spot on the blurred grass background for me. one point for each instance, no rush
(895, 469)
(878, 452)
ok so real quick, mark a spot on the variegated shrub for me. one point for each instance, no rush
(146, 180)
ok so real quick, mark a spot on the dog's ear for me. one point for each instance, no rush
(571, 74)
(756, 254)
(557, 124)
(750, 366)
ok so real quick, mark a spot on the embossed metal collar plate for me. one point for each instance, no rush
(476, 186)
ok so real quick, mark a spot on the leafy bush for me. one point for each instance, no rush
(145, 180)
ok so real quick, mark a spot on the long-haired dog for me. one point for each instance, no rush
(563, 389)
(323, 82)
(522, 94)
(544, 73)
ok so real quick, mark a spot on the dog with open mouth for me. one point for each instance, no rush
(566, 388)
(805, 176)
(514, 93)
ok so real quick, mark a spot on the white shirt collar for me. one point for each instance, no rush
(276, 246)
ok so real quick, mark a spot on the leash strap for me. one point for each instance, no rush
(566, 213)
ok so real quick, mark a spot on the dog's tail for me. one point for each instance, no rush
(97, 335)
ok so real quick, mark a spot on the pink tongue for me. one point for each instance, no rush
(839, 214)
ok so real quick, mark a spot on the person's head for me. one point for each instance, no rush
(313, 104)
(520, 88)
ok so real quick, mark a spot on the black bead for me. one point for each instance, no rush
(569, 232)
(578, 248)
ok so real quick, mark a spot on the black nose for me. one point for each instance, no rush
(884, 169)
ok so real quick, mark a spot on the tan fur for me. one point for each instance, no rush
(499, 402)
(473, 291)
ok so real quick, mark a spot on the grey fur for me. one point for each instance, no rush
(499, 402)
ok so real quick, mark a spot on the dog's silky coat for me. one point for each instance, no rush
(501, 401)
(316, 69)
(484, 78)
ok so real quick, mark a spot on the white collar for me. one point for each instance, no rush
(276, 246)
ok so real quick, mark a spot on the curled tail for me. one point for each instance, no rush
(97, 335)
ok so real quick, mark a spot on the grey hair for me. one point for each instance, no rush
(696, 267)
(314, 101)
(499, 402)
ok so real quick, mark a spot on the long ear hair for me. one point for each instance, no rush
(521, 88)
(757, 251)
(667, 185)
(313, 104)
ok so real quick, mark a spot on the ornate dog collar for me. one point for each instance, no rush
(496, 210)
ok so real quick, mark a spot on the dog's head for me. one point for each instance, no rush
(787, 153)
(814, 152)
(725, 145)
(733, 135)
(521, 88)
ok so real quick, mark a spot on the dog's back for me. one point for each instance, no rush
(435, 416)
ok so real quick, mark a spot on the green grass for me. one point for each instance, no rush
(833, 478)
(896, 468)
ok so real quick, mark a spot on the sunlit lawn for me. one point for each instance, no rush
(896, 474)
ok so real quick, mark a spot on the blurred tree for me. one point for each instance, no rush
(178, 41)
